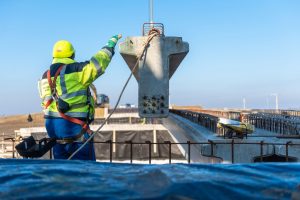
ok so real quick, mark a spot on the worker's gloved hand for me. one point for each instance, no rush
(113, 40)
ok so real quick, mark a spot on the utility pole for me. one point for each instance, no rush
(170, 106)
(151, 11)
(276, 100)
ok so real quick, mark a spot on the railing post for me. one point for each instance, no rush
(149, 142)
(287, 151)
(13, 148)
(170, 153)
(114, 139)
(211, 147)
(131, 150)
(110, 150)
(261, 150)
(51, 154)
(232, 151)
(189, 151)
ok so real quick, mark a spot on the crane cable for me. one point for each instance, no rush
(151, 35)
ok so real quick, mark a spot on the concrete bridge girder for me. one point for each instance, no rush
(162, 57)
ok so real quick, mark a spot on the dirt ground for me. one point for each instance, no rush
(9, 124)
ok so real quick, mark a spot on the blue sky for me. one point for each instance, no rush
(238, 48)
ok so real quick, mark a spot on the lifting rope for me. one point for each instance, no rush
(151, 35)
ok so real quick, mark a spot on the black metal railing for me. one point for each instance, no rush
(208, 121)
(274, 123)
(292, 113)
(271, 122)
(232, 143)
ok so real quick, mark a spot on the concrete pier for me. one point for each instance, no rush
(161, 59)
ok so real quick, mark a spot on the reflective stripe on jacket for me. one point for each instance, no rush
(72, 84)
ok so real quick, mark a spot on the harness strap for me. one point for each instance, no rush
(52, 85)
(77, 138)
(84, 125)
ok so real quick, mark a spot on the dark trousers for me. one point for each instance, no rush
(61, 128)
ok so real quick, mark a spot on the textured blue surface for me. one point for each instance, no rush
(77, 179)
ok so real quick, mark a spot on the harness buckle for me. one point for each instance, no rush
(71, 140)
(54, 96)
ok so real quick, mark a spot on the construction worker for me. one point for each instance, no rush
(66, 98)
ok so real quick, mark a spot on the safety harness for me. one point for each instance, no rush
(63, 107)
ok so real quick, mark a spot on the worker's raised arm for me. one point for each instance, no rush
(98, 63)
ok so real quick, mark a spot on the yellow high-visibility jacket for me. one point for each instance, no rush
(72, 84)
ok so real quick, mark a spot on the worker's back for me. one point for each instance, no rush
(66, 97)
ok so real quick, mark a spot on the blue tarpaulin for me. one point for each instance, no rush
(48, 179)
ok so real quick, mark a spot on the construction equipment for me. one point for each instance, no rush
(102, 101)
(231, 126)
